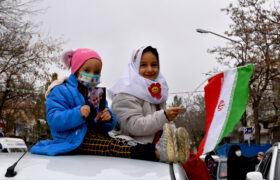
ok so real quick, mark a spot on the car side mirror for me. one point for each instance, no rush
(254, 176)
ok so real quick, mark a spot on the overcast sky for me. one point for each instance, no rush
(114, 28)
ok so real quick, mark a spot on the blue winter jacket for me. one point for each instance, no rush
(67, 125)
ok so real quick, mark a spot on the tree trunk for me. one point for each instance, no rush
(3, 99)
(243, 124)
(256, 121)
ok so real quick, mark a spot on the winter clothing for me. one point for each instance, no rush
(55, 83)
(97, 144)
(134, 84)
(67, 125)
(238, 167)
(73, 134)
(138, 118)
(75, 59)
(139, 113)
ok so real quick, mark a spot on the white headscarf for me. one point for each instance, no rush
(134, 84)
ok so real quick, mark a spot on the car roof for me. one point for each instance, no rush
(33, 166)
(215, 157)
(277, 144)
(224, 159)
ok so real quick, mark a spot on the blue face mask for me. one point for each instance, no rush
(88, 80)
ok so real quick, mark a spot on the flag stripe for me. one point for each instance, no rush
(239, 99)
(212, 93)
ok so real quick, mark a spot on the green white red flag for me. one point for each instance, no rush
(226, 96)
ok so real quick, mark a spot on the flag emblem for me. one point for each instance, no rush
(221, 105)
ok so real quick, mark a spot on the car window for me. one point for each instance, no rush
(265, 164)
(277, 172)
(223, 170)
(17, 149)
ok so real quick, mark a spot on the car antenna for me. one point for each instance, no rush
(11, 170)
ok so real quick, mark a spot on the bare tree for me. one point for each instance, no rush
(256, 24)
(25, 56)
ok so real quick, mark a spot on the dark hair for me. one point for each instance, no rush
(152, 50)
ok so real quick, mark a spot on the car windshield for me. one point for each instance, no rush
(223, 170)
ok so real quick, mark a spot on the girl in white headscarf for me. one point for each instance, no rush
(139, 100)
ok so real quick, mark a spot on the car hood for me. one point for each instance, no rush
(33, 166)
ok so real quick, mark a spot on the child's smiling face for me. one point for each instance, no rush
(91, 66)
(149, 67)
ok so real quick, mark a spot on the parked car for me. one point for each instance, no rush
(269, 167)
(32, 166)
(221, 167)
(8, 144)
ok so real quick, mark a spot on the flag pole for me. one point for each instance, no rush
(255, 64)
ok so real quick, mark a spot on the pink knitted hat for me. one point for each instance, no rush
(75, 59)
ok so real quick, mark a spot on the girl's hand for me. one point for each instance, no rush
(105, 115)
(85, 110)
(172, 112)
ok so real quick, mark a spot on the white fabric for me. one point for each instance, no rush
(134, 84)
(238, 153)
(55, 83)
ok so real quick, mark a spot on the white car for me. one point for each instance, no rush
(269, 167)
(8, 144)
(85, 167)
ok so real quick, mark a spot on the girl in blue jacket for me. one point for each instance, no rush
(73, 124)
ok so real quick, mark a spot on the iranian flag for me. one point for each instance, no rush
(226, 96)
